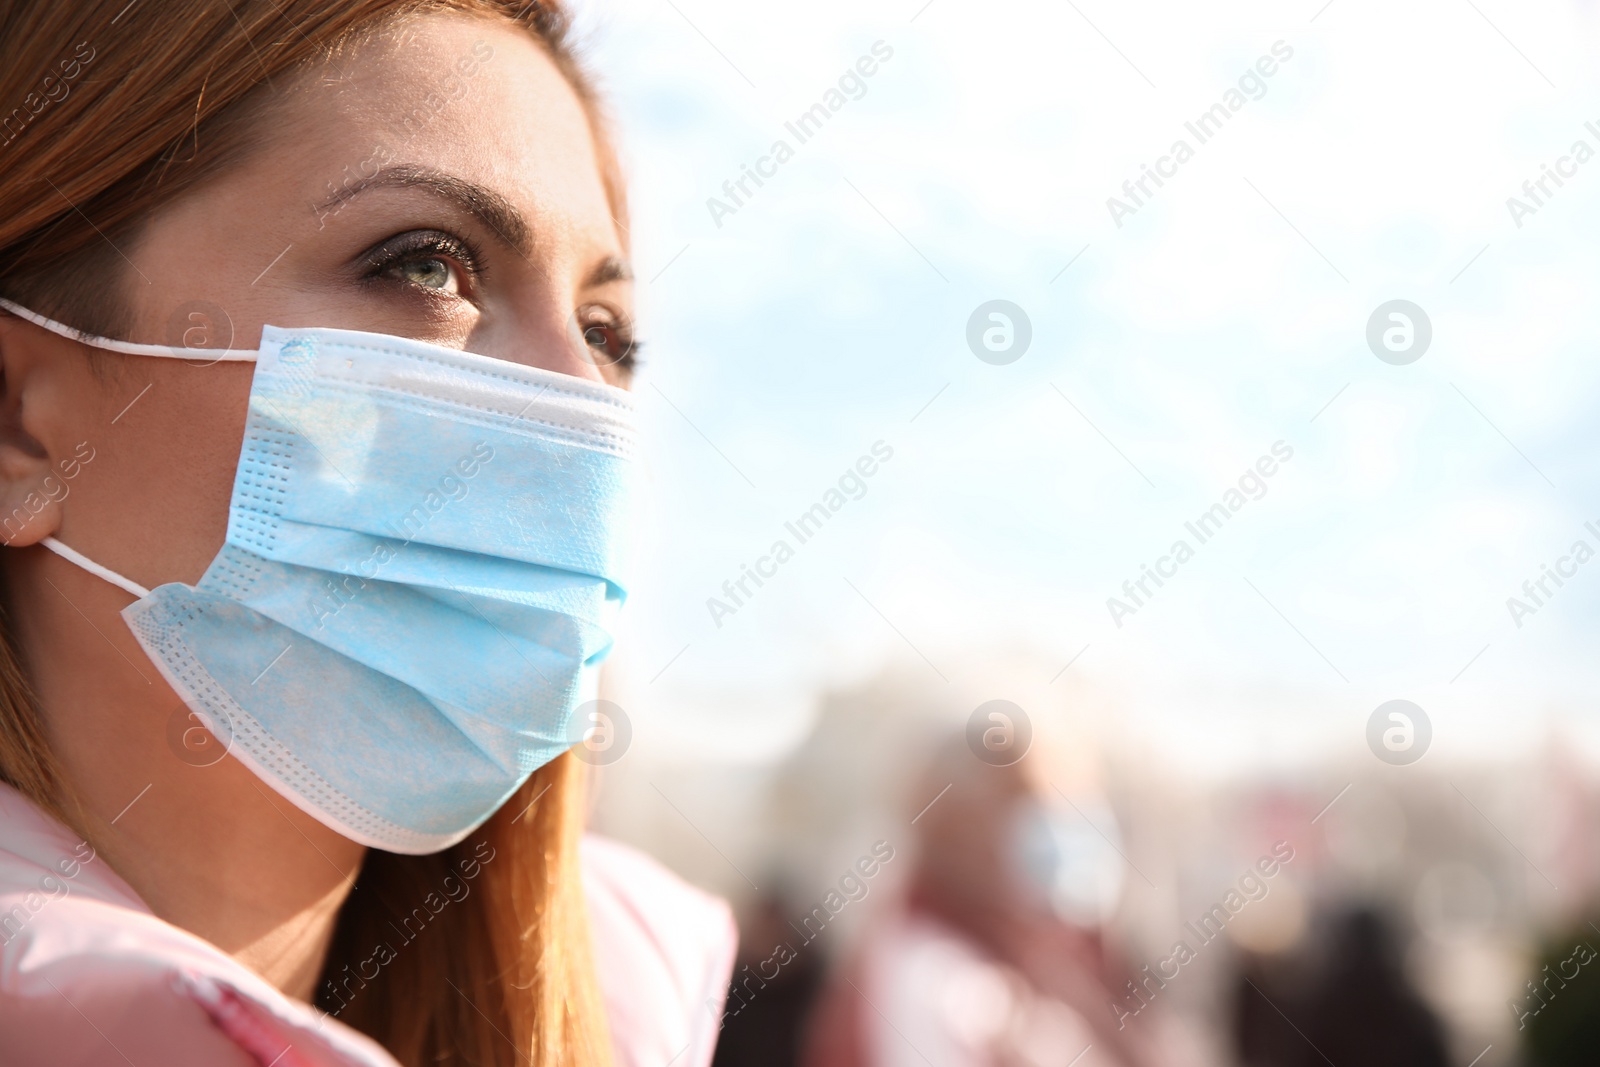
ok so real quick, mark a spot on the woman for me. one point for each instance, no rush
(995, 956)
(314, 461)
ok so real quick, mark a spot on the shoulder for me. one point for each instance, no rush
(663, 953)
(89, 976)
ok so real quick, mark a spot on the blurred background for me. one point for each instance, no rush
(917, 311)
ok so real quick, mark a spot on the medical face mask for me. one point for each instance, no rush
(1064, 862)
(421, 565)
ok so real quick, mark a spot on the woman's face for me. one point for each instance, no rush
(438, 183)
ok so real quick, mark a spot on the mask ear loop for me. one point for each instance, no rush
(72, 555)
(128, 348)
(66, 552)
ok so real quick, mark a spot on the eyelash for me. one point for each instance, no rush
(419, 246)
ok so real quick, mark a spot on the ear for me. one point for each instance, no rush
(31, 488)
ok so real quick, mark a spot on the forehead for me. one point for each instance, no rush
(472, 97)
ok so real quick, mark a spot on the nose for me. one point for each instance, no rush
(543, 339)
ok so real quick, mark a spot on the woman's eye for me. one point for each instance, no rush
(427, 259)
(608, 339)
(429, 273)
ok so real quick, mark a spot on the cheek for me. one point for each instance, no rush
(163, 474)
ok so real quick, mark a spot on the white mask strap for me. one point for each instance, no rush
(72, 555)
(128, 348)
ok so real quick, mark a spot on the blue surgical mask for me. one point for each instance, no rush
(1070, 865)
(421, 566)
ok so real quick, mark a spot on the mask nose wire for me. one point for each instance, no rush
(72, 555)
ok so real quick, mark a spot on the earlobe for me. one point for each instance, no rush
(31, 490)
(28, 517)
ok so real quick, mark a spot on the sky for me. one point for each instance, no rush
(1176, 340)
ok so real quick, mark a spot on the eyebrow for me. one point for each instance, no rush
(491, 209)
(494, 211)
(611, 269)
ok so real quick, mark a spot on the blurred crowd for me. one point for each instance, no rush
(1064, 906)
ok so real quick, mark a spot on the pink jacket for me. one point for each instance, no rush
(89, 976)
